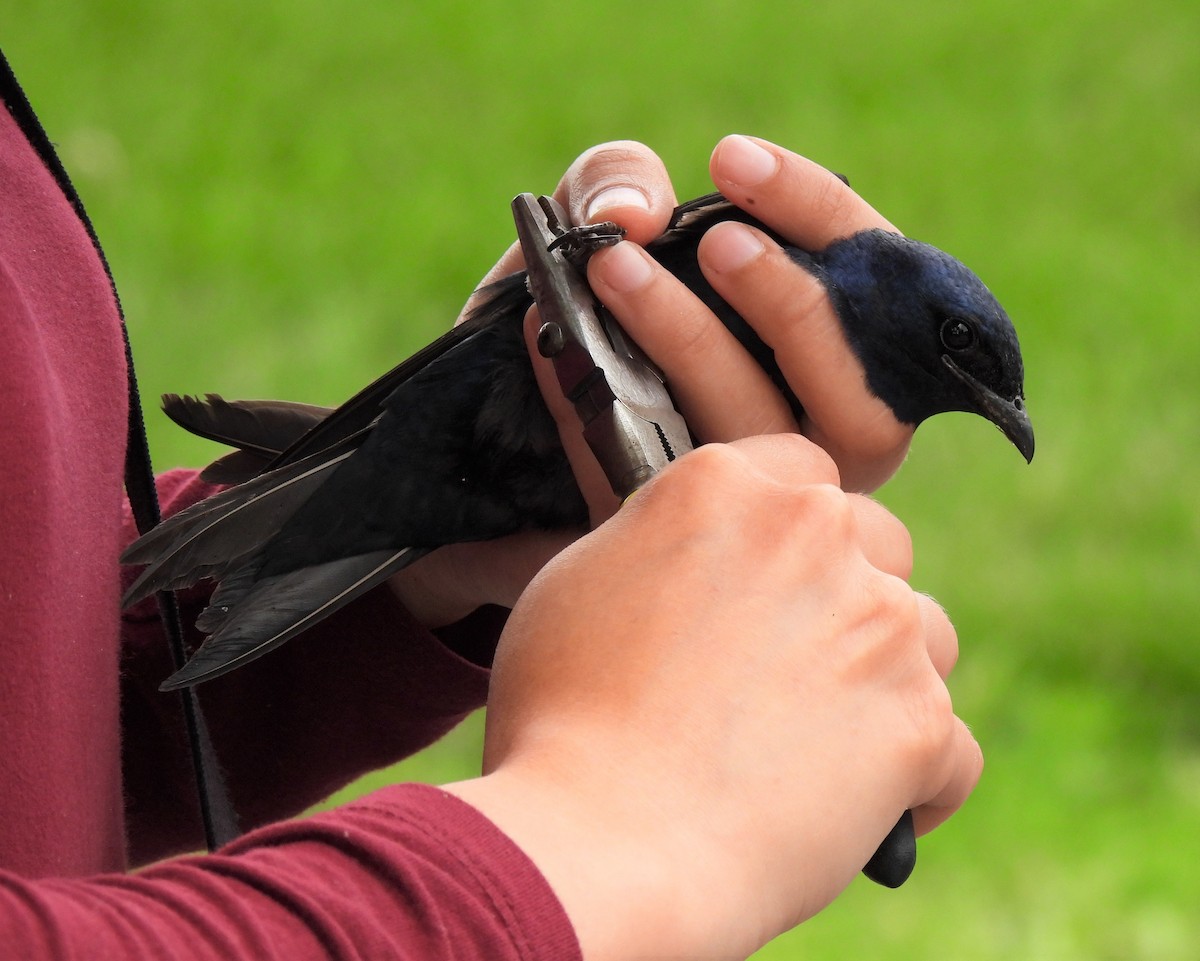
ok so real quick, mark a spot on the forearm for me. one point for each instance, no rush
(406, 872)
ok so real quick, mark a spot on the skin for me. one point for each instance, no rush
(710, 761)
(626, 182)
(706, 713)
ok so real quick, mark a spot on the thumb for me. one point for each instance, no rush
(623, 181)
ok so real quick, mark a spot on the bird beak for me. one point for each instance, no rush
(1009, 415)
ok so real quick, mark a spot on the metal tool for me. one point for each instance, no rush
(629, 420)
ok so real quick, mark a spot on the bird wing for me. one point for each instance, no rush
(277, 608)
(358, 415)
(260, 430)
(213, 536)
(263, 426)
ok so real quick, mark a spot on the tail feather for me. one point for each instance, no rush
(249, 537)
(260, 430)
(263, 426)
(234, 586)
(259, 615)
(236, 467)
(218, 534)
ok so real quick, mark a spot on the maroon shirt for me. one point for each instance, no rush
(95, 768)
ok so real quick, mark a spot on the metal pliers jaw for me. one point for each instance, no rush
(629, 420)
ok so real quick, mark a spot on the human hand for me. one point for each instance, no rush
(721, 391)
(706, 714)
(624, 182)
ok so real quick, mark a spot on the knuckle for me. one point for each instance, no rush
(939, 626)
(808, 522)
(924, 728)
(934, 726)
(710, 474)
(822, 510)
(717, 466)
(799, 459)
(886, 540)
(895, 609)
(931, 721)
(819, 462)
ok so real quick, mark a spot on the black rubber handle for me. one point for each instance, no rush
(896, 857)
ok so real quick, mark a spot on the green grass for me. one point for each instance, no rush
(294, 195)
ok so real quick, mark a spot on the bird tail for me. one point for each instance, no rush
(250, 616)
(275, 542)
(217, 535)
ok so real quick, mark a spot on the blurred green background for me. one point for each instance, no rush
(294, 195)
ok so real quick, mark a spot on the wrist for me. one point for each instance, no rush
(634, 879)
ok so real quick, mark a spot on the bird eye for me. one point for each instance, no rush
(957, 334)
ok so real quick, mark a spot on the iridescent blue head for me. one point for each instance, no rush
(931, 337)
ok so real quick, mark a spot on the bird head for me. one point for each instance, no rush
(930, 335)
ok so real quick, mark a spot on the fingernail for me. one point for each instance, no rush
(623, 268)
(729, 247)
(743, 162)
(614, 198)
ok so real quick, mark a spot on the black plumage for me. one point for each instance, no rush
(455, 443)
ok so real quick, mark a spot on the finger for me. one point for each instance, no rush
(965, 768)
(702, 361)
(501, 569)
(790, 310)
(797, 198)
(597, 492)
(885, 540)
(941, 639)
(623, 181)
(451, 582)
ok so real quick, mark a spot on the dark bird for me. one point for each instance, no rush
(455, 444)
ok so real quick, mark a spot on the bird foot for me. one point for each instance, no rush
(579, 243)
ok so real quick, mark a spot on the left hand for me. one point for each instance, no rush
(624, 182)
(721, 391)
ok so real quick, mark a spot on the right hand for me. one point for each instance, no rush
(707, 713)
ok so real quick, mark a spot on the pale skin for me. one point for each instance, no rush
(705, 714)
(626, 182)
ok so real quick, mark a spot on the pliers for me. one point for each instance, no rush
(629, 420)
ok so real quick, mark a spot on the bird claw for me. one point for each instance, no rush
(580, 242)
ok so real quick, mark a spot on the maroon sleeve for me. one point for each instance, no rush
(408, 871)
(362, 689)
